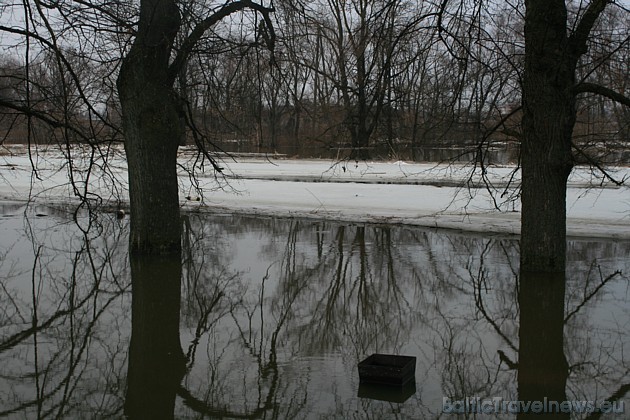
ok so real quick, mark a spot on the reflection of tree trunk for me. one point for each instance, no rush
(319, 240)
(363, 261)
(542, 365)
(364, 290)
(340, 260)
(386, 247)
(156, 360)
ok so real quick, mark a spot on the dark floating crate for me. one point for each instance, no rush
(387, 369)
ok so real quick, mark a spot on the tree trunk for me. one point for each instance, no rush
(360, 141)
(361, 134)
(152, 131)
(548, 120)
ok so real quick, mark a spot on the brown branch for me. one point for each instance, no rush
(66, 66)
(579, 38)
(598, 165)
(501, 123)
(48, 119)
(586, 87)
(505, 359)
(196, 34)
(202, 407)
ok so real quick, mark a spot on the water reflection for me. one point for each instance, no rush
(156, 361)
(63, 334)
(267, 318)
(542, 365)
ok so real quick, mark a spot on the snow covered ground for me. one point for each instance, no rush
(427, 194)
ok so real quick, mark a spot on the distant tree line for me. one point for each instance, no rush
(345, 78)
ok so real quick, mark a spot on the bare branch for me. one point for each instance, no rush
(598, 165)
(66, 66)
(196, 34)
(586, 87)
(579, 38)
(49, 120)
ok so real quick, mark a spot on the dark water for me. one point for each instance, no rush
(275, 314)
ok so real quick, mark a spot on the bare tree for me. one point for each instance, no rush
(151, 117)
(547, 59)
(550, 94)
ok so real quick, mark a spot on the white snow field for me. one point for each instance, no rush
(425, 194)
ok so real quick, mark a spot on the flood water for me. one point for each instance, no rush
(274, 315)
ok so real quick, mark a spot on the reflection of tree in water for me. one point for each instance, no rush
(212, 293)
(469, 331)
(346, 291)
(205, 277)
(596, 333)
(156, 361)
(61, 319)
(548, 338)
(542, 363)
(355, 299)
(275, 315)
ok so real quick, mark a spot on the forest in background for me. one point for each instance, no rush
(360, 79)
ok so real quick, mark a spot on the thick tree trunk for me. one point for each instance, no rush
(152, 131)
(548, 119)
(151, 148)
(360, 132)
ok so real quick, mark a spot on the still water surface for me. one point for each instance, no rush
(275, 314)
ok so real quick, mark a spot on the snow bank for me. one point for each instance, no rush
(433, 195)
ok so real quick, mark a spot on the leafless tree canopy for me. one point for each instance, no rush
(349, 78)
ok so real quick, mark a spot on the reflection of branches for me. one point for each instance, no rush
(77, 359)
(362, 298)
(479, 280)
(308, 297)
(202, 407)
(61, 341)
(464, 370)
(616, 396)
(588, 296)
(20, 337)
(269, 402)
(203, 325)
(37, 325)
(35, 295)
(326, 306)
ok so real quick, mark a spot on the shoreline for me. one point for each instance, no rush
(428, 195)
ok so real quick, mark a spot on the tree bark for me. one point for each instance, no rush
(549, 114)
(152, 131)
(360, 132)
(548, 120)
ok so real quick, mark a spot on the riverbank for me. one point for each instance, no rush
(453, 196)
